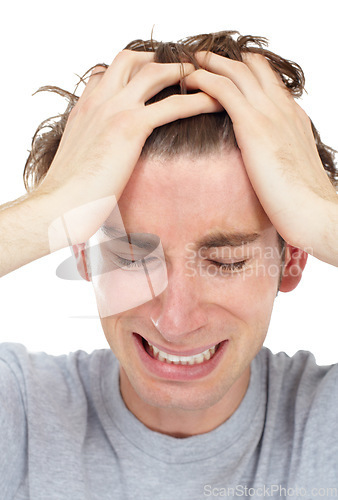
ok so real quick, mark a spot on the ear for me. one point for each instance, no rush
(81, 260)
(295, 260)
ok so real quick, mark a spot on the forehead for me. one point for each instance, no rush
(190, 196)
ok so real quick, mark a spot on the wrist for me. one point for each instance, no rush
(24, 229)
(325, 236)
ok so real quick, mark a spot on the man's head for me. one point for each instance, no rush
(190, 188)
(204, 133)
(193, 203)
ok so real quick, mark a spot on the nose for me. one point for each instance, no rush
(179, 309)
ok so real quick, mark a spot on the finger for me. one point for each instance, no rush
(94, 78)
(225, 91)
(270, 81)
(305, 126)
(154, 77)
(238, 72)
(274, 86)
(178, 106)
(123, 68)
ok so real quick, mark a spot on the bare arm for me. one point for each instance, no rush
(327, 246)
(24, 231)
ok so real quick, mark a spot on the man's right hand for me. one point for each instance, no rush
(106, 131)
(99, 149)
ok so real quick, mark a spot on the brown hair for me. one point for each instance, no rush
(197, 134)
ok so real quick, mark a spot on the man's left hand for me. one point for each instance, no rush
(277, 145)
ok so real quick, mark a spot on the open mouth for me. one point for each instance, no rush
(165, 357)
(183, 368)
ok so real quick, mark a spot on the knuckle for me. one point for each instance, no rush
(175, 100)
(198, 75)
(129, 56)
(151, 68)
(223, 81)
(199, 72)
(253, 56)
(125, 119)
(86, 105)
(301, 113)
(130, 123)
(204, 57)
(240, 67)
(258, 57)
(124, 54)
(202, 77)
(98, 69)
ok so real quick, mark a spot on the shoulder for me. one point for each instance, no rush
(299, 387)
(300, 431)
(14, 354)
(36, 371)
(299, 370)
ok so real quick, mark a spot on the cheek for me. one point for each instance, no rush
(110, 326)
(123, 289)
(119, 291)
(249, 296)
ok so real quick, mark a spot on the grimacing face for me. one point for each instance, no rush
(183, 201)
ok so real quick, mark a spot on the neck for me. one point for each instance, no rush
(181, 423)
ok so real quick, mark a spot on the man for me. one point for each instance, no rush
(194, 406)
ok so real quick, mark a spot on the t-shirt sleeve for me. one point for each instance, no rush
(13, 428)
(320, 430)
(303, 402)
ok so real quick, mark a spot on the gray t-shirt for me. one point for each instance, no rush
(65, 433)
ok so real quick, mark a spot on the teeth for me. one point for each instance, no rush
(182, 360)
(207, 356)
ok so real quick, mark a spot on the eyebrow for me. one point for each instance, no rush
(145, 241)
(213, 240)
(222, 239)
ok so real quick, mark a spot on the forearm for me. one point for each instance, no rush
(325, 246)
(24, 225)
(332, 234)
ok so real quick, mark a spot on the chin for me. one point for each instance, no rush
(189, 396)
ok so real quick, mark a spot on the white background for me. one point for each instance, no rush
(48, 43)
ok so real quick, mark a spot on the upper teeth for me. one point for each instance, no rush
(183, 360)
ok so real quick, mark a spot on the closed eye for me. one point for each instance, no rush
(133, 264)
(139, 263)
(233, 266)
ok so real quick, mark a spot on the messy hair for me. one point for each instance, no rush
(201, 134)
